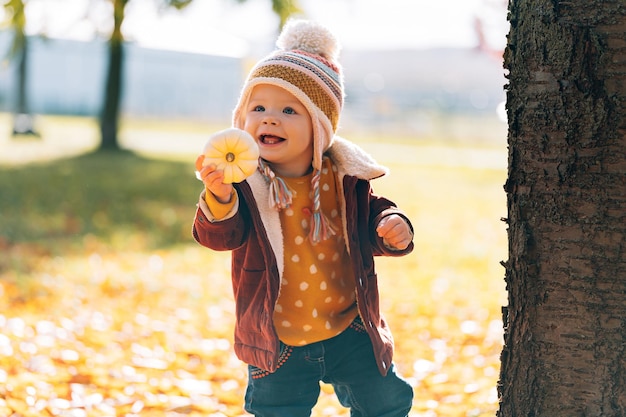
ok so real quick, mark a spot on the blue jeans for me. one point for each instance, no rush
(346, 362)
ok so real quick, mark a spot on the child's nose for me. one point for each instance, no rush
(269, 119)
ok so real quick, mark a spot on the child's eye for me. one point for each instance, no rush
(289, 110)
(259, 108)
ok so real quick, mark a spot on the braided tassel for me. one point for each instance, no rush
(321, 227)
(280, 194)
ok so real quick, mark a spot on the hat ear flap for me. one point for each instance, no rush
(323, 135)
(240, 110)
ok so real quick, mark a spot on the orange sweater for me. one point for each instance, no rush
(317, 296)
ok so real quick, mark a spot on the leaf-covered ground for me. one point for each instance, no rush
(107, 308)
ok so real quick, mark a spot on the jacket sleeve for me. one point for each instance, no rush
(223, 234)
(364, 211)
(216, 210)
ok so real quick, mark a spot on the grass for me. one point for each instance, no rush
(109, 308)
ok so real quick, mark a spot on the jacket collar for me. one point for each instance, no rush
(353, 160)
(349, 158)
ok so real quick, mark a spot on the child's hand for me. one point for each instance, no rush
(395, 232)
(213, 180)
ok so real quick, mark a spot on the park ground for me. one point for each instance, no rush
(108, 307)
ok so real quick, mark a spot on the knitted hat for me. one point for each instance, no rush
(306, 66)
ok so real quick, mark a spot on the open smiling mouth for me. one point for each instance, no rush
(270, 139)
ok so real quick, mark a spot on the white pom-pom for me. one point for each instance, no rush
(309, 37)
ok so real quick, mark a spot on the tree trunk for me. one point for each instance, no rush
(22, 67)
(109, 118)
(23, 123)
(565, 323)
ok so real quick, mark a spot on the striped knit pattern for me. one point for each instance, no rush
(312, 76)
(306, 68)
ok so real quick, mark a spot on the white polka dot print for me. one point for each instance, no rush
(312, 306)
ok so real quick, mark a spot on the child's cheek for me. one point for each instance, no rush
(248, 125)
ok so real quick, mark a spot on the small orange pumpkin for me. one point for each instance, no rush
(233, 150)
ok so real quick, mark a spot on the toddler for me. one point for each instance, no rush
(303, 231)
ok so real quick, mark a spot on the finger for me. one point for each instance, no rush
(390, 222)
(394, 236)
(399, 243)
(206, 171)
(403, 244)
(384, 226)
(199, 161)
(389, 227)
(215, 178)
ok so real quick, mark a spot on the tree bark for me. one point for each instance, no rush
(565, 323)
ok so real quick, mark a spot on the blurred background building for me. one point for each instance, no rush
(406, 87)
(66, 77)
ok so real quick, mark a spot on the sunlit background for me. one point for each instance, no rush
(408, 64)
(108, 307)
(228, 28)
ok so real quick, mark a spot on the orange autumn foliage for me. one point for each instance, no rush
(116, 326)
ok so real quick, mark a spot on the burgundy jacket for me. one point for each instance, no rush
(252, 232)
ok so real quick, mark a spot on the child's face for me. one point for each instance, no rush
(282, 128)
